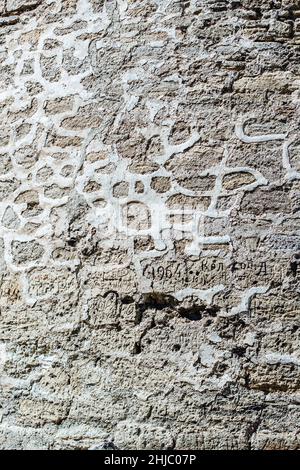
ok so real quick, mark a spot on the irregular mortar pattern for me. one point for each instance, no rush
(150, 188)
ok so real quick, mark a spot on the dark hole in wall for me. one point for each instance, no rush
(157, 301)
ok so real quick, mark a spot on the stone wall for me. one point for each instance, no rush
(149, 208)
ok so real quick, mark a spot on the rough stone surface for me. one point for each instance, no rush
(149, 237)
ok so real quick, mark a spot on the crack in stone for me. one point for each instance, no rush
(18, 10)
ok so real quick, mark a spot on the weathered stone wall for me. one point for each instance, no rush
(149, 207)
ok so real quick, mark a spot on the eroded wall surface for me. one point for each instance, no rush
(149, 207)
